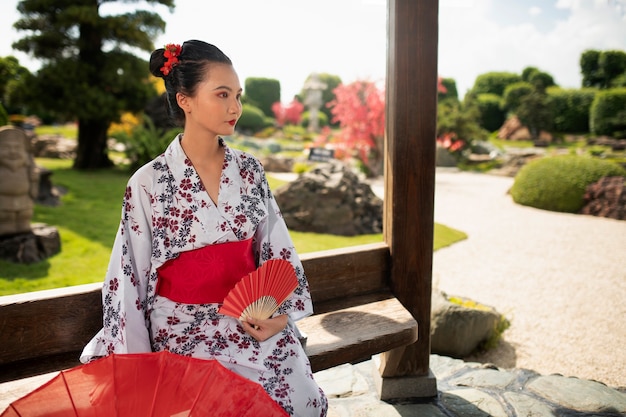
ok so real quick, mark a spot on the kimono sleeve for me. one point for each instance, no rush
(273, 241)
(126, 285)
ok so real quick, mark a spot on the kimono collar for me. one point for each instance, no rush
(177, 160)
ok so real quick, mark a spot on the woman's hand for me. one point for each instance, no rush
(262, 330)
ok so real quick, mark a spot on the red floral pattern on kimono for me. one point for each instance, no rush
(166, 211)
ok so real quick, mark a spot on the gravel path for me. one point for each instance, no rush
(559, 278)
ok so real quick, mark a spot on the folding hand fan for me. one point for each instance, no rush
(147, 384)
(259, 294)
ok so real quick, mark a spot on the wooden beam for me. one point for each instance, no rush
(411, 118)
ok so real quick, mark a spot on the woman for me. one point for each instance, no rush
(195, 220)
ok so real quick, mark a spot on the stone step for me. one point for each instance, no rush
(473, 389)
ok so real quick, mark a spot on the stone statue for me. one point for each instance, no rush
(19, 182)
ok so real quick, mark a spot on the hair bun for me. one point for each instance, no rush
(157, 60)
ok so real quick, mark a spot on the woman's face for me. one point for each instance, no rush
(216, 107)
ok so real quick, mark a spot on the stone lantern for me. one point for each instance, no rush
(313, 89)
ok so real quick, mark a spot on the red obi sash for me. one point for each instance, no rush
(205, 275)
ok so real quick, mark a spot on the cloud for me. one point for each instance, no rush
(288, 40)
(472, 44)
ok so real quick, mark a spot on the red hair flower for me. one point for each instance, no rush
(172, 52)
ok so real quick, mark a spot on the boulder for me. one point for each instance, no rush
(457, 330)
(331, 199)
(40, 243)
(513, 129)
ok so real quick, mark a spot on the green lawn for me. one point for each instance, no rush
(88, 219)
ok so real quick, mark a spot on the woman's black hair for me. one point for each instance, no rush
(185, 76)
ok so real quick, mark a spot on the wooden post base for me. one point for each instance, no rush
(403, 387)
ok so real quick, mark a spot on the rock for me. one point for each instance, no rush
(606, 198)
(54, 146)
(513, 129)
(48, 194)
(514, 159)
(457, 330)
(330, 199)
(444, 158)
(615, 144)
(40, 243)
(277, 164)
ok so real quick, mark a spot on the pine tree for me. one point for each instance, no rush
(89, 72)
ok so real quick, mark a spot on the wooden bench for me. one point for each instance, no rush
(356, 316)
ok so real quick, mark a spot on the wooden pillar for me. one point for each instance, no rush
(410, 146)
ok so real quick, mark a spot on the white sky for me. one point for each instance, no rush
(289, 39)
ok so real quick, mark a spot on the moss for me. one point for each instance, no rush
(496, 335)
(467, 303)
(501, 325)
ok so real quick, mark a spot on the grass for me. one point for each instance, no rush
(87, 221)
(88, 218)
(67, 130)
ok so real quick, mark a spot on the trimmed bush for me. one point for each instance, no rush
(262, 93)
(514, 95)
(571, 108)
(491, 114)
(608, 113)
(494, 82)
(252, 119)
(558, 183)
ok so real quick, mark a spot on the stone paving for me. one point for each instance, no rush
(472, 389)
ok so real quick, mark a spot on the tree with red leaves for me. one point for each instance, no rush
(359, 108)
(290, 114)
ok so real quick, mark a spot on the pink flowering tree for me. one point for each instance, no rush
(359, 108)
(289, 114)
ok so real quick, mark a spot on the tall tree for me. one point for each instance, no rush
(89, 72)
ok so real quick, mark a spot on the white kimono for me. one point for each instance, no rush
(167, 211)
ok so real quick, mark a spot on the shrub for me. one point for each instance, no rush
(301, 167)
(608, 114)
(144, 142)
(266, 132)
(558, 183)
(491, 114)
(571, 109)
(252, 119)
(322, 119)
(296, 133)
(127, 123)
(262, 92)
(514, 94)
(494, 82)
